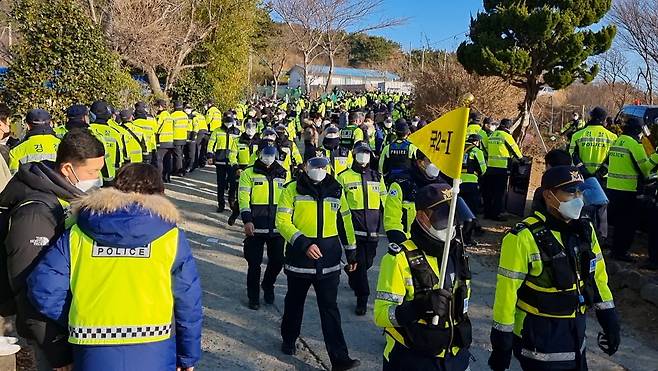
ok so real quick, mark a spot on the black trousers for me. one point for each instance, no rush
(178, 158)
(163, 162)
(253, 253)
(403, 359)
(326, 290)
(191, 154)
(623, 205)
(494, 194)
(224, 178)
(365, 255)
(653, 238)
(233, 182)
(202, 148)
(470, 192)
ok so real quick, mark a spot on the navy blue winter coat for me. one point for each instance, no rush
(113, 218)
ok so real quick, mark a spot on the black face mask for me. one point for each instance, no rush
(331, 143)
(423, 241)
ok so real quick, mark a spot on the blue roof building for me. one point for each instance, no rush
(341, 77)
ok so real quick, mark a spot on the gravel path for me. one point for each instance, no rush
(236, 338)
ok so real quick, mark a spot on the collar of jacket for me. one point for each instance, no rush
(275, 170)
(101, 121)
(328, 187)
(43, 177)
(109, 200)
(76, 124)
(244, 138)
(40, 130)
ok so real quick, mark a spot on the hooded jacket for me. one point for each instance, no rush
(114, 218)
(35, 202)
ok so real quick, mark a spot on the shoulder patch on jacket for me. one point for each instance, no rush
(518, 228)
(394, 248)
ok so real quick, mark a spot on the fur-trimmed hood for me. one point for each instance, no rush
(115, 218)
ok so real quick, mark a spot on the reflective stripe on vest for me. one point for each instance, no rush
(121, 295)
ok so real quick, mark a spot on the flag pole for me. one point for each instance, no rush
(446, 247)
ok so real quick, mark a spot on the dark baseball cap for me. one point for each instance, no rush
(566, 178)
(38, 117)
(77, 111)
(433, 195)
(126, 114)
(101, 109)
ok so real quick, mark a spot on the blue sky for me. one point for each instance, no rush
(441, 22)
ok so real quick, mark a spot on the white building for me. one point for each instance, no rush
(342, 77)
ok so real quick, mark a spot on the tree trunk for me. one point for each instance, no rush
(276, 87)
(154, 82)
(520, 127)
(332, 63)
(307, 83)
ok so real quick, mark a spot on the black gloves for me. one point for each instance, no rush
(610, 338)
(432, 303)
(502, 350)
(425, 306)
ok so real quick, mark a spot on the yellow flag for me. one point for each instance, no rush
(442, 141)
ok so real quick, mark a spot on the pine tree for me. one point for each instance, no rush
(61, 59)
(532, 43)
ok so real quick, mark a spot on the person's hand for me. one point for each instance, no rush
(432, 303)
(610, 338)
(500, 360)
(64, 368)
(249, 229)
(313, 252)
(351, 267)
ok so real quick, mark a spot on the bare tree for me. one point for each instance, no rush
(637, 21)
(153, 35)
(616, 76)
(345, 17)
(274, 55)
(306, 20)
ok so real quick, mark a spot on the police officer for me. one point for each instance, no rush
(165, 139)
(501, 148)
(340, 157)
(352, 133)
(572, 126)
(77, 116)
(132, 145)
(39, 144)
(475, 127)
(365, 192)
(111, 138)
(409, 296)
(213, 116)
(473, 167)
(589, 146)
(258, 195)
(200, 123)
(628, 167)
(245, 147)
(146, 124)
(308, 218)
(397, 157)
(399, 208)
(289, 153)
(133, 137)
(384, 135)
(182, 130)
(220, 147)
(589, 149)
(551, 271)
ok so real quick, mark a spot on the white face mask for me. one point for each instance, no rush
(414, 123)
(229, 124)
(89, 185)
(267, 159)
(188, 111)
(317, 175)
(250, 132)
(86, 185)
(441, 234)
(363, 158)
(432, 171)
(388, 124)
(571, 209)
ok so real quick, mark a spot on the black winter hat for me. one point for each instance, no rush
(101, 109)
(38, 117)
(597, 115)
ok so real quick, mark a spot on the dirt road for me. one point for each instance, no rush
(236, 338)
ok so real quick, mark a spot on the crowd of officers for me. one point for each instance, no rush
(357, 171)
